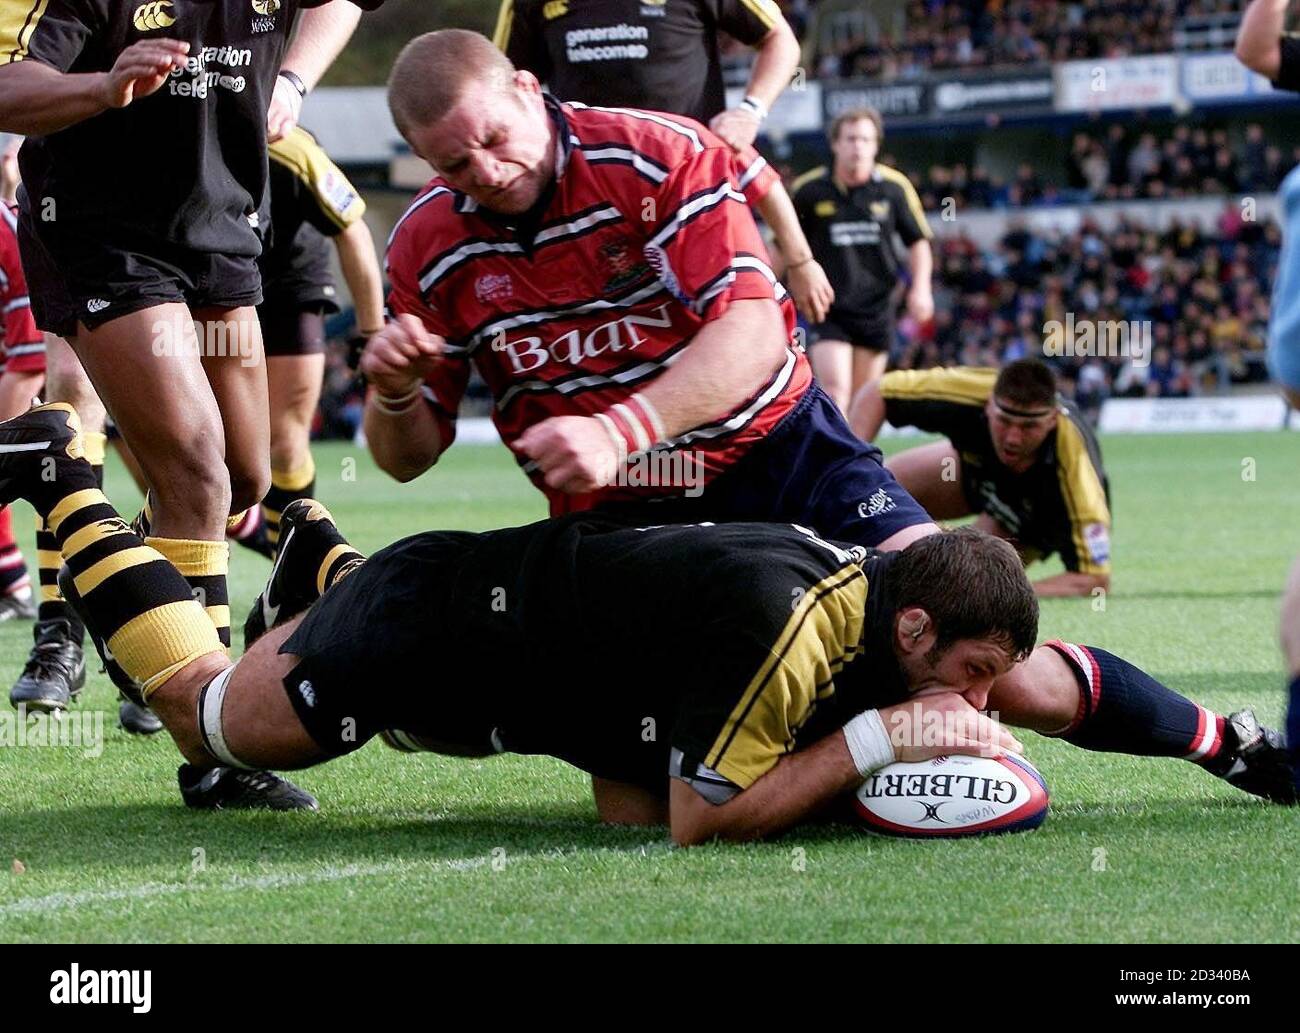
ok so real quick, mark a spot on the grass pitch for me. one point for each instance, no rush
(424, 848)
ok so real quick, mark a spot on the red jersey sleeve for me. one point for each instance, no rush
(704, 244)
(756, 175)
(24, 344)
(444, 388)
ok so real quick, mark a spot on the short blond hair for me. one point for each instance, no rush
(432, 71)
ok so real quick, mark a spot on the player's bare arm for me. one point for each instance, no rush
(36, 100)
(356, 249)
(1258, 46)
(400, 429)
(804, 782)
(727, 361)
(1071, 583)
(811, 290)
(322, 34)
(774, 67)
(920, 297)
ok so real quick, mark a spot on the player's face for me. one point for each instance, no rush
(496, 144)
(855, 148)
(967, 667)
(1017, 439)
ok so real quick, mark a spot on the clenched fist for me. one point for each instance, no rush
(400, 356)
(576, 454)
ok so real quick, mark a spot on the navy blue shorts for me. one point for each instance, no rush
(810, 470)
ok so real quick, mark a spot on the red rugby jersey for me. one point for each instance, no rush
(24, 345)
(647, 236)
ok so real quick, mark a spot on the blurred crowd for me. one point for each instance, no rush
(943, 34)
(1119, 163)
(1203, 292)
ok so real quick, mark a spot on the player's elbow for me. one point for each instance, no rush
(1259, 55)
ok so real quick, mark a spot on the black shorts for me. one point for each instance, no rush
(294, 328)
(89, 282)
(872, 329)
(388, 648)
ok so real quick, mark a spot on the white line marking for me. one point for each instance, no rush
(56, 902)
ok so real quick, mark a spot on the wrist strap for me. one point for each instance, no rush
(868, 742)
(293, 80)
(395, 406)
(754, 105)
(634, 424)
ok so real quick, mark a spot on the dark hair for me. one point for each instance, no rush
(856, 115)
(972, 585)
(1027, 383)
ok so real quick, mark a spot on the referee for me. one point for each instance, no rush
(851, 214)
(664, 56)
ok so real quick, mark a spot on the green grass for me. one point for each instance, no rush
(426, 848)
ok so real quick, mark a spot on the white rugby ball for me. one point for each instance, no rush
(953, 796)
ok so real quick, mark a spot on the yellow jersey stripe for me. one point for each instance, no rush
(18, 21)
(764, 10)
(964, 385)
(824, 629)
(806, 178)
(1081, 488)
(299, 152)
(909, 192)
(505, 22)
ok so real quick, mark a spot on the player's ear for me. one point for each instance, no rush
(914, 631)
(526, 82)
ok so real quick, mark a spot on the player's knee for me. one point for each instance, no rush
(1041, 693)
(192, 481)
(249, 484)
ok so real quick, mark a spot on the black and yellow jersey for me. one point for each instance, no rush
(658, 54)
(185, 165)
(1060, 505)
(311, 199)
(702, 651)
(851, 232)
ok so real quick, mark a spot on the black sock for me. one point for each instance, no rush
(1124, 710)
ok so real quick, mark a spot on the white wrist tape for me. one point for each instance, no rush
(868, 742)
(395, 406)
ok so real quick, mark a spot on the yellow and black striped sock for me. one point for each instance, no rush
(204, 566)
(287, 486)
(143, 522)
(48, 557)
(132, 596)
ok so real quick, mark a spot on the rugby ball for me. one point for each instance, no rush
(953, 796)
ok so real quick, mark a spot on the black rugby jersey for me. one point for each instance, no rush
(659, 54)
(186, 165)
(1061, 504)
(851, 232)
(311, 199)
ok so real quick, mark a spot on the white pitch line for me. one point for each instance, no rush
(56, 902)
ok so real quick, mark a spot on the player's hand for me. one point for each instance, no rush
(576, 454)
(141, 69)
(284, 111)
(942, 723)
(920, 304)
(736, 126)
(811, 290)
(400, 356)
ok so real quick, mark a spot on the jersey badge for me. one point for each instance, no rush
(148, 17)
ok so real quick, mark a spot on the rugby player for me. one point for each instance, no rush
(665, 57)
(820, 664)
(125, 259)
(1264, 48)
(602, 273)
(311, 200)
(851, 213)
(1017, 454)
